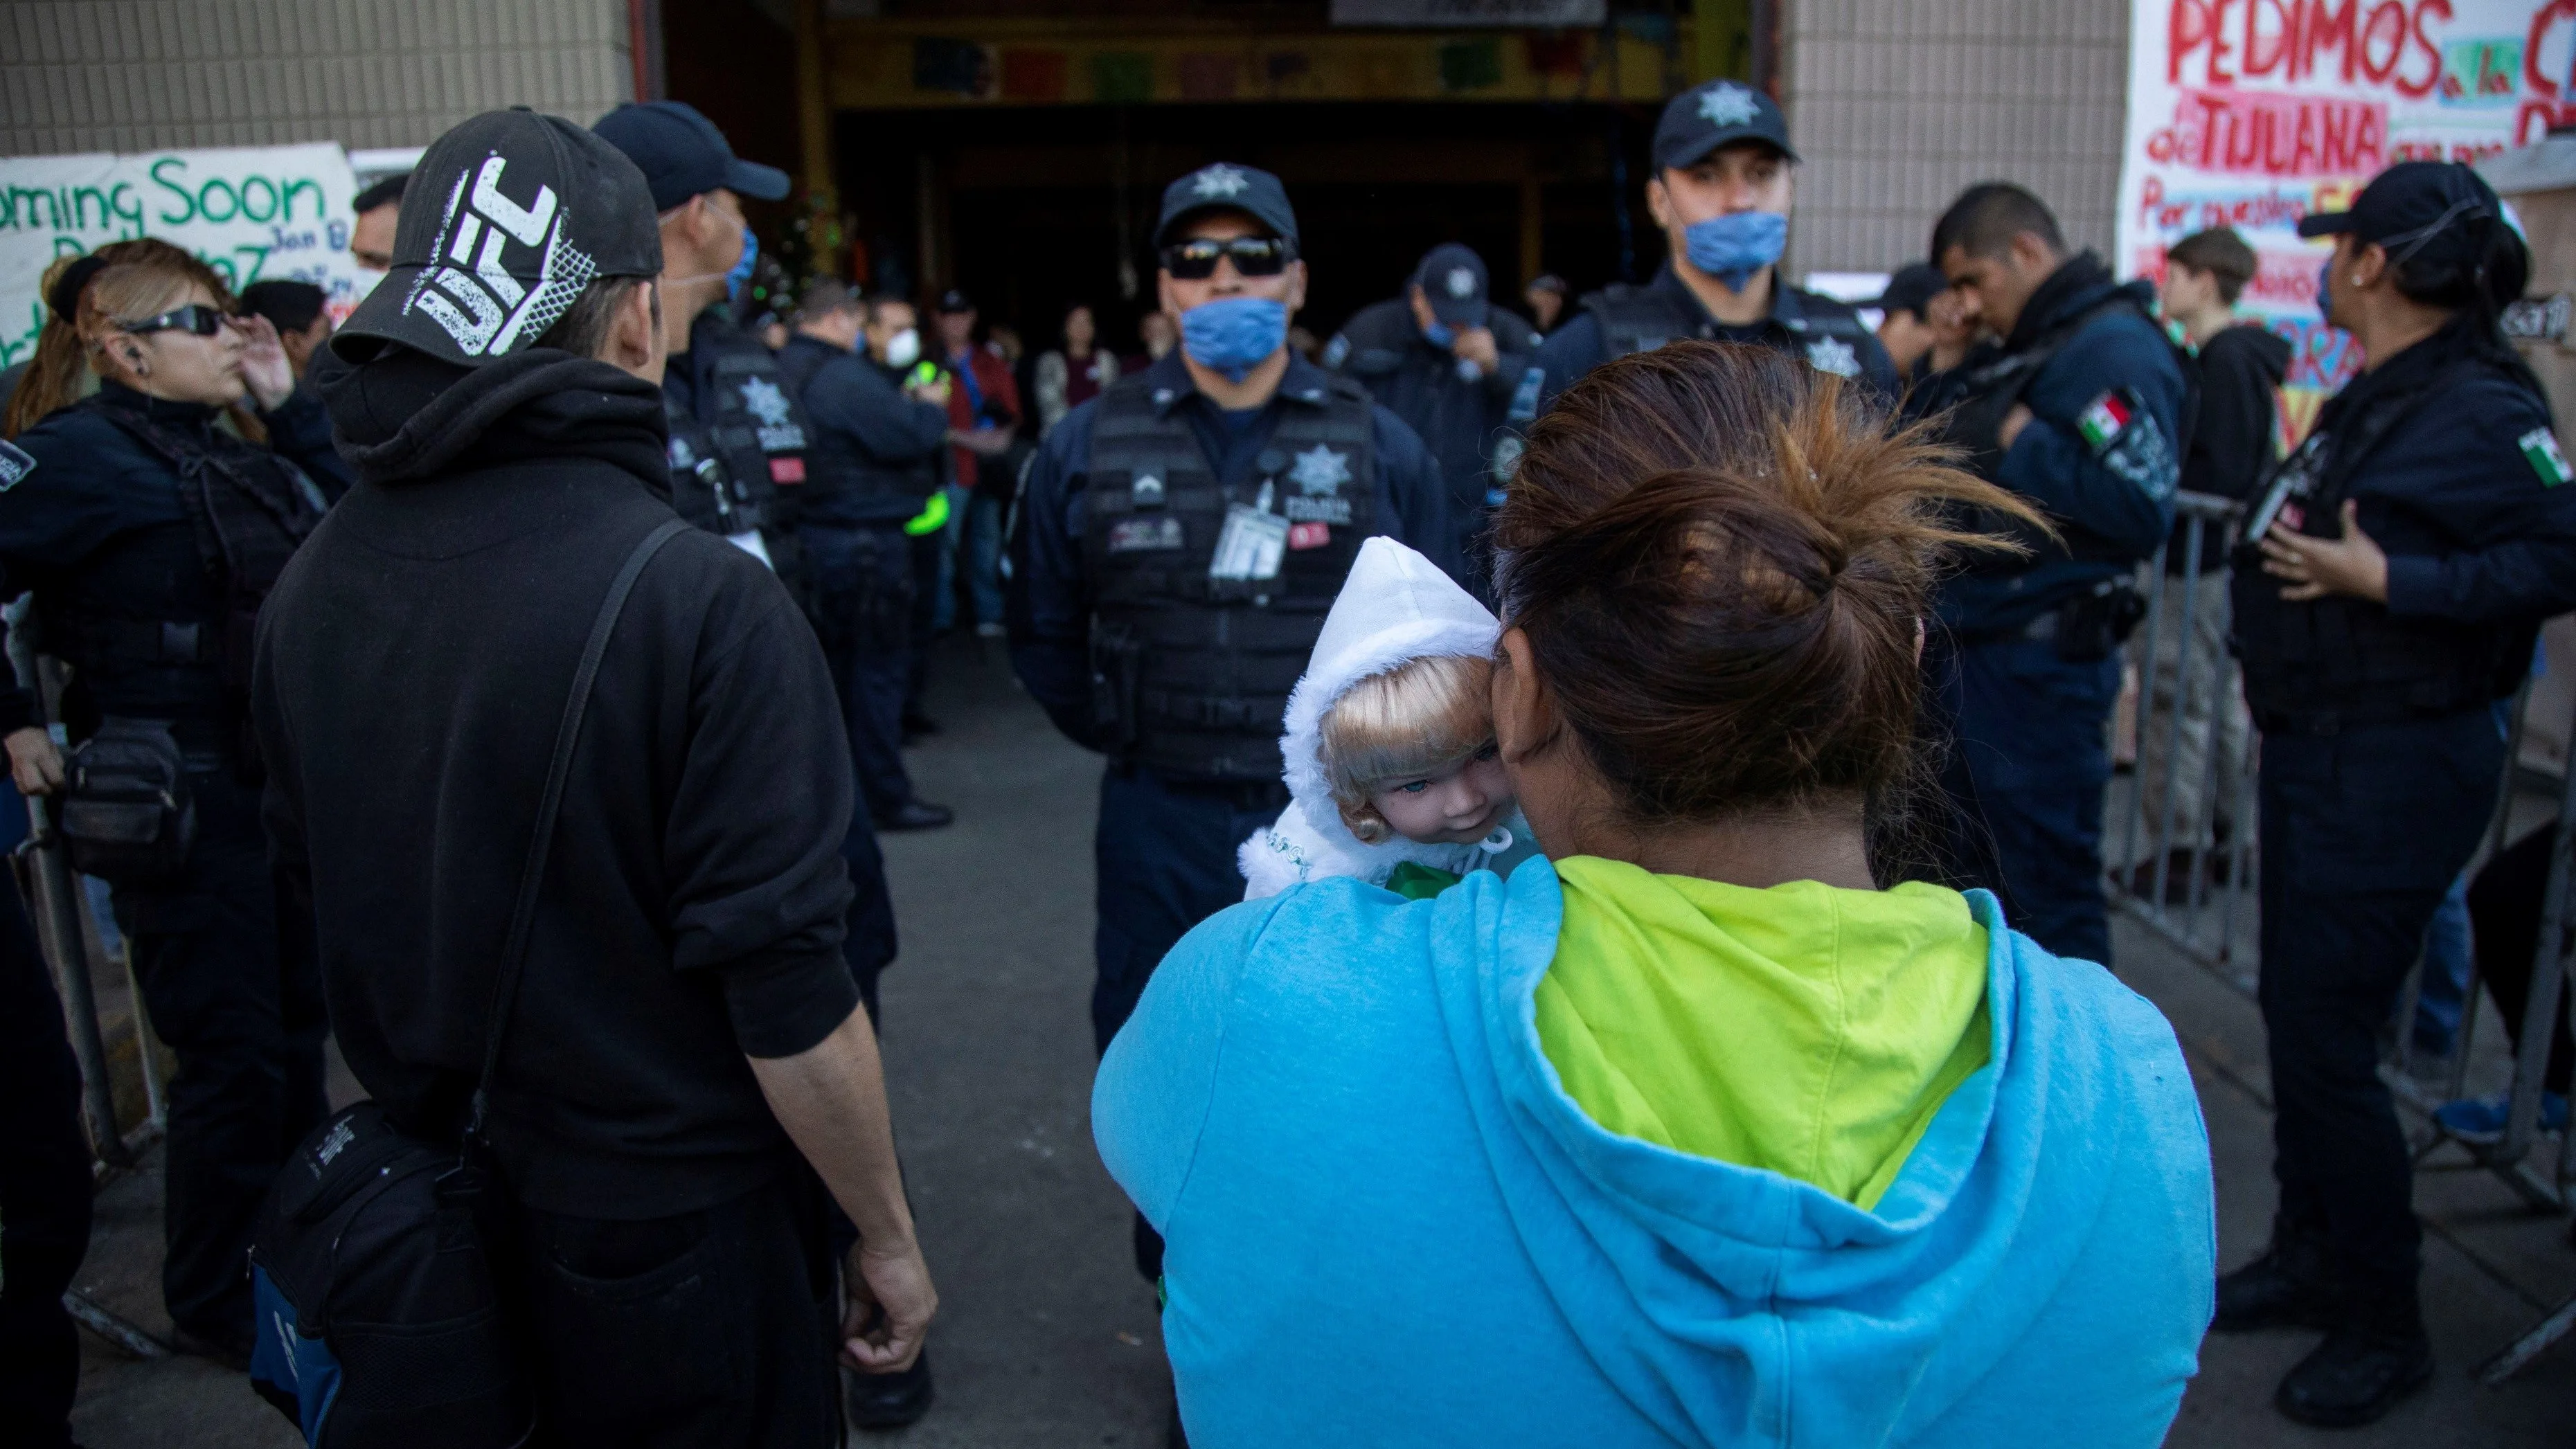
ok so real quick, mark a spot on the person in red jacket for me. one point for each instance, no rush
(983, 419)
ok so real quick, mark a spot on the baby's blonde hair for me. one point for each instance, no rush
(1401, 724)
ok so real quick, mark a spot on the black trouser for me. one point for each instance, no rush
(925, 615)
(225, 955)
(863, 613)
(716, 1329)
(44, 1193)
(2362, 834)
(1164, 856)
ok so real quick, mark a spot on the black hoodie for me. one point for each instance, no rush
(412, 667)
(2232, 439)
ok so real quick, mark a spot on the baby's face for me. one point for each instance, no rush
(1458, 804)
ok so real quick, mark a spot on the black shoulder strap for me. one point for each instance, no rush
(523, 911)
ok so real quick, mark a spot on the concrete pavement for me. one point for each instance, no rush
(1046, 1335)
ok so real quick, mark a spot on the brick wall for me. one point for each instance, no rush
(130, 75)
(1897, 104)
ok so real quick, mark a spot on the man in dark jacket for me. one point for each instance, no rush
(1446, 360)
(874, 465)
(2082, 410)
(686, 1072)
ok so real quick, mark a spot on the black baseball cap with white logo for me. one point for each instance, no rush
(507, 218)
(1720, 113)
(1225, 186)
(1452, 278)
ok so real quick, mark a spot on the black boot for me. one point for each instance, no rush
(889, 1401)
(2281, 1289)
(2355, 1376)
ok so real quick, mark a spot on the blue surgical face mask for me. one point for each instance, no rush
(740, 276)
(1440, 334)
(1733, 247)
(1233, 335)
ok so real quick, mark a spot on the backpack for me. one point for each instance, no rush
(376, 1313)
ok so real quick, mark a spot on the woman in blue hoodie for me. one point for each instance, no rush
(1694, 1134)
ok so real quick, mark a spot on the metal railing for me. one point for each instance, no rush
(2184, 863)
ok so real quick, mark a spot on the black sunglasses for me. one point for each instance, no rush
(1254, 256)
(196, 317)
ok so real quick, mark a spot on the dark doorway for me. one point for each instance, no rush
(1030, 208)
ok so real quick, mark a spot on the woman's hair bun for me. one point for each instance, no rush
(1721, 558)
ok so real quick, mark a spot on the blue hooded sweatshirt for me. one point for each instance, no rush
(1386, 1222)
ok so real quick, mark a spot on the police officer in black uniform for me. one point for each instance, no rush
(738, 436)
(2401, 563)
(2081, 408)
(1446, 360)
(149, 535)
(874, 464)
(1722, 191)
(1179, 541)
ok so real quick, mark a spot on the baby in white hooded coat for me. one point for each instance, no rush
(1390, 742)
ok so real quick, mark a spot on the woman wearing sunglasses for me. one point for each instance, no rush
(150, 519)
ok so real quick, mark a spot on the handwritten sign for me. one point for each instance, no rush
(2254, 113)
(252, 213)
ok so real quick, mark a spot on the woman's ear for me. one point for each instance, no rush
(1524, 715)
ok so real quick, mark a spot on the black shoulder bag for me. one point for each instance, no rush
(376, 1314)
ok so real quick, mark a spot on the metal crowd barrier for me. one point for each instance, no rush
(2182, 861)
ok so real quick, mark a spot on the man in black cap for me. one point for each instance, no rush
(1722, 189)
(371, 236)
(1446, 360)
(1178, 544)
(738, 436)
(2082, 409)
(686, 1080)
(2400, 564)
(1917, 340)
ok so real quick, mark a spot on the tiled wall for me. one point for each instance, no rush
(127, 75)
(1897, 104)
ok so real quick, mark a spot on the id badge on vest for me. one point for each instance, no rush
(1254, 542)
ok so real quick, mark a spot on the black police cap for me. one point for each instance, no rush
(1719, 113)
(508, 218)
(1453, 280)
(953, 301)
(682, 154)
(1911, 289)
(1224, 186)
(2417, 209)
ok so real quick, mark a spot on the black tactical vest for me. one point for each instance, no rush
(1191, 672)
(2334, 662)
(1641, 319)
(728, 470)
(250, 509)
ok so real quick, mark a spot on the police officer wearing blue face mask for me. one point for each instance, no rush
(2401, 562)
(2081, 407)
(738, 434)
(1446, 360)
(1179, 541)
(1722, 190)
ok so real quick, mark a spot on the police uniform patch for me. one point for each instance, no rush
(2540, 447)
(1320, 471)
(15, 465)
(1139, 535)
(2131, 443)
(1832, 354)
(1309, 535)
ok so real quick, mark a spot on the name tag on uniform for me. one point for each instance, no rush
(1143, 535)
(1253, 545)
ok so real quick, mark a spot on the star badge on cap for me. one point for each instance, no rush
(1220, 180)
(1462, 283)
(1728, 104)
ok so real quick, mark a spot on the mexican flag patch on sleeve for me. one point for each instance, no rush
(2103, 422)
(2540, 445)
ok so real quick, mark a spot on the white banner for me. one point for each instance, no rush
(2253, 113)
(253, 213)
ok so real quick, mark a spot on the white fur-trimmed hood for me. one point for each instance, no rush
(1395, 606)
